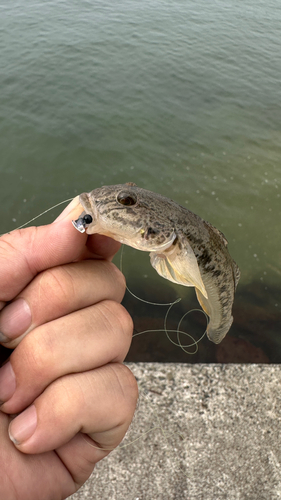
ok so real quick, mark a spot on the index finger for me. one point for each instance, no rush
(26, 252)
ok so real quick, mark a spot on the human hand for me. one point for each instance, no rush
(65, 377)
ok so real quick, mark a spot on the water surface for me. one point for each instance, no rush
(182, 98)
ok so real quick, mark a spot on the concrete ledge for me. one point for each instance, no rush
(216, 436)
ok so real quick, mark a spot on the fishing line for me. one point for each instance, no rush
(165, 329)
(42, 213)
(178, 331)
(139, 298)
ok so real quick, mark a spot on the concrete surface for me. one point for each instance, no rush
(215, 436)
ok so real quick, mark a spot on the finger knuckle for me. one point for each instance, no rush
(118, 278)
(56, 283)
(39, 350)
(129, 380)
(118, 317)
(128, 387)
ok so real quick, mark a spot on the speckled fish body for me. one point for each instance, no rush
(183, 248)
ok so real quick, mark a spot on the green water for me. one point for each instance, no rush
(182, 97)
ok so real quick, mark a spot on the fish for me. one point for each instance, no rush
(184, 248)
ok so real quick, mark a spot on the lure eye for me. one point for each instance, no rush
(126, 199)
(87, 219)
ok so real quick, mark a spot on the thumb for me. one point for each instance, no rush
(26, 252)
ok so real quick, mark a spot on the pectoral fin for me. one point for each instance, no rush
(179, 265)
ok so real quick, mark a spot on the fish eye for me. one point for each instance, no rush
(126, 199)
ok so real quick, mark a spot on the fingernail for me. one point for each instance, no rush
(23, 426)
(15, 319)
(7, 382)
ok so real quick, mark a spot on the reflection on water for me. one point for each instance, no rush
(182, 98)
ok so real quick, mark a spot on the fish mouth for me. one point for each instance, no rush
(89, 217)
